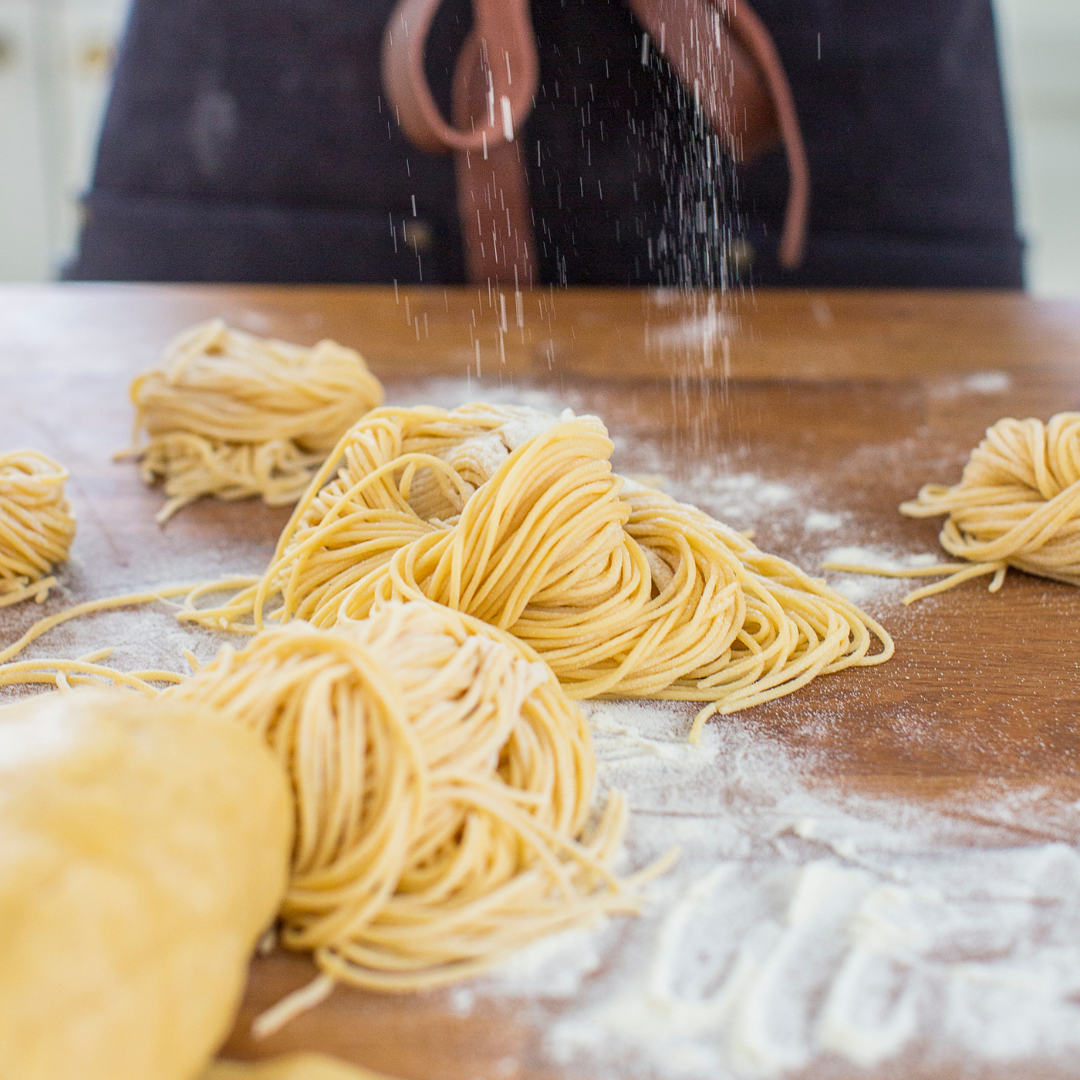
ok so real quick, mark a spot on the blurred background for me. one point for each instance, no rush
(56, 56)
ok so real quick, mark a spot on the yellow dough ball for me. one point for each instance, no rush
(144, 846)
(293, 1067)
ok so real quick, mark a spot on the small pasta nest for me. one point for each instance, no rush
(37, 525)
(1017, 504)
(233, 415)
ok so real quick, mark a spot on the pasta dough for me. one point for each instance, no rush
(443, 785)
(143, 848)
(1017, 504)
(517, 518)
(36, 524)
(293, 1067)
(233, 415)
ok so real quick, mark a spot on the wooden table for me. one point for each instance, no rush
(851, 399)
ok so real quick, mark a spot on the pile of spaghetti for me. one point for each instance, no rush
(36, 524)
(443, 777)
(1017, 504)
(517, 519)
(443, 786)
(233, 415)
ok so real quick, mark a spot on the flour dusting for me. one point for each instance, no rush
(800, 926)
(980, 383)
(866, 588)
(820, 521)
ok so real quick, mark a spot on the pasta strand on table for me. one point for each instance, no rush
(37, 525)
(517, 518)
(86, 670)
(1017, 504)
(233, 415)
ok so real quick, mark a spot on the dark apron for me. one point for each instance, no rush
(252, 142)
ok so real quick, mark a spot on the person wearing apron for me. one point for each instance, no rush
(256, 143)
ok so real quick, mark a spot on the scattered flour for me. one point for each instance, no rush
(864, 588)
(733, 495)
(988, 382)
(554, 966)
(861, 556)
(800, 928)
(703, 335)
(819, 521)
(462, 1000)
(980, 382)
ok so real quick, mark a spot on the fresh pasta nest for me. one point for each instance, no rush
(517, 518)
(234, 415)
(1017, 504)
(36, 524)
(443, 785)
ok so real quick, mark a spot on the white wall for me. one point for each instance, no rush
(1040, 52)
(55, 58)
(24, 215)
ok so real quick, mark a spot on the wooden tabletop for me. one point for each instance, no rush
(841, 404)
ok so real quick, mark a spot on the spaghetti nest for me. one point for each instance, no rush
(517, 518)
(234, 415)
(1017, 504)
(443, 783)
(36, 524)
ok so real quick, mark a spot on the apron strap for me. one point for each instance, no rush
(495, 80)
(724, 55)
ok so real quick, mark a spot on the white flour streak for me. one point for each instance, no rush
(865, 588)
(860, 556)
(819, 521)
(986, 383)
(734, 496)
(800, 926)
(702, 331)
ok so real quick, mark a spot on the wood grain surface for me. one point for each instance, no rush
(852, 400)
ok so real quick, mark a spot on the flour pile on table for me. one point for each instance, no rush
(799, 927)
